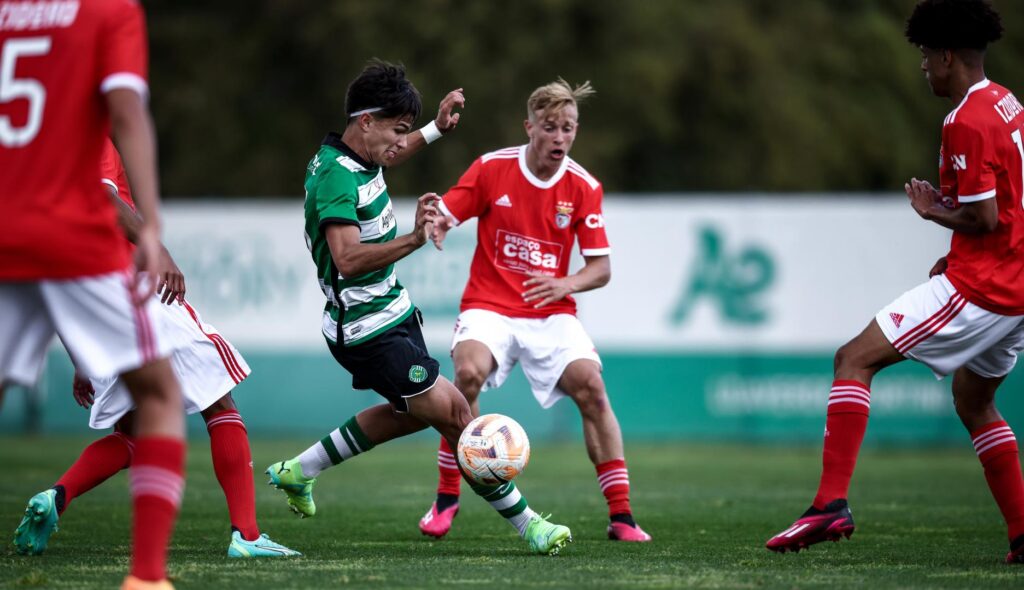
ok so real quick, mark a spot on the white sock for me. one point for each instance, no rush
(521, 520)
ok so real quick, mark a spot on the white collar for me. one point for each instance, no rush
(536, 181)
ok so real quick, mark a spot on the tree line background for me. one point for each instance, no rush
(730, 95)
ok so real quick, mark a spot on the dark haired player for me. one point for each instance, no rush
(967, 319)
(369, 321)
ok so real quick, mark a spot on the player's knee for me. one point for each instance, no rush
(469, 380)
(590, 395)
(846, 359)
(969, 407)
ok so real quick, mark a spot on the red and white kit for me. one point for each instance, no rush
(64, 266)
(207, 366)
(972, 315)
(526, 227)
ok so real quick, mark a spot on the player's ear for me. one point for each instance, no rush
(528, 126)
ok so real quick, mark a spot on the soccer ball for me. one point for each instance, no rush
(493, 449)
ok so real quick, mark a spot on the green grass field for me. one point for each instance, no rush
(925, 520)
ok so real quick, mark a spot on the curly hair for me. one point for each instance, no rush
(954, 24)
(383, 89)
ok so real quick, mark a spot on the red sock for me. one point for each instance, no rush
(846, 422)
(614, 480)
(157, 485)
(450, 479)
(97, 463)
(232, 462)
(997, 449)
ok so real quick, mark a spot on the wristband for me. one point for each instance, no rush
(430, 132)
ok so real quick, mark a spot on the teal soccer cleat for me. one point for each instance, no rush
(40, 521)
(546, 538)
(261, 547)
(287, 477)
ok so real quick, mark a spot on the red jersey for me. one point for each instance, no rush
(526, 226)
(57, 60)
(982, 157)
(112, 173)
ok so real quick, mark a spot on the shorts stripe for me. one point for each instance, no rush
(230, 355)
(932, 325)
(237, 375)
(143, 330)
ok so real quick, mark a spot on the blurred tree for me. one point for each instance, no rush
(751, 95)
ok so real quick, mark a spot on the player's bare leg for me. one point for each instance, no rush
(583, 383)
(996, 446)
(158, 464)
(473, 363)
(829, 517)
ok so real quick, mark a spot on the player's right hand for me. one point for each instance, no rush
(426, 214)
(81, 389)
(147, 260)
(171, 286)
(442, 225)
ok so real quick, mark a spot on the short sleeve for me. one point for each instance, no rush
(589, 225)
(124, 51)
(971, 158)
(112, 173)
(336, 198)
(467, 198)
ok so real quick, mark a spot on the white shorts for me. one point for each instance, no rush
(544, 346)
(102, 330)
(934, 324)
(207, 366)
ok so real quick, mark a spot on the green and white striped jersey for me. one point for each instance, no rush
(342, 188)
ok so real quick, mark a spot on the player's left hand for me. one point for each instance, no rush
(171, 284)
(924, 197)
(447, 120)
(546, 290)
(81, 389)
(147, 258)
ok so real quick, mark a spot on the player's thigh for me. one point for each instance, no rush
(973, 392)
(484, 344)
(549, 347)
(103, 330)
(582, 379)
(26, 331)
(936, 326)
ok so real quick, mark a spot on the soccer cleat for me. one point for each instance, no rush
(287, 477)
(261, 547)
(546, 538)
(133, 583)
(1016, 554)
(815, 526)
(437, 524)
(620, 531)
(39, 522)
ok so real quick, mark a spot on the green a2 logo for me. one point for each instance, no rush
(734, 282)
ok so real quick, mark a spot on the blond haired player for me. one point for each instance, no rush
(532, 203)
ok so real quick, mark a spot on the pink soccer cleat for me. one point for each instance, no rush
(815, 526)
(620, 531)
(437, 524)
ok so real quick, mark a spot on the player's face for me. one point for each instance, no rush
(386, 137)
(551, 135)
(935, 65)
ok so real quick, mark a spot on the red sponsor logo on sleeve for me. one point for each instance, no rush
(527, 255)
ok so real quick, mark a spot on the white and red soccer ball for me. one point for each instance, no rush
(493, 449)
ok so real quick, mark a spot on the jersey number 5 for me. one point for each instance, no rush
(12, 88)
(1020, 149)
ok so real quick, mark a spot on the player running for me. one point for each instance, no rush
(533, 202)
(369, 321)
(968, 319)
(208, 368)
(72, 72)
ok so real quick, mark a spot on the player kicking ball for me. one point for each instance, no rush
(533, 202)
(208, 367)
(370, 324)
(968, 319)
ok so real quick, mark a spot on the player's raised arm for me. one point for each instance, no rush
(979, 217)
(443, 124)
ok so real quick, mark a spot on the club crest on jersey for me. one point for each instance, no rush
(563, 214)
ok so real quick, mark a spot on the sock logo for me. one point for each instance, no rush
(897, 318)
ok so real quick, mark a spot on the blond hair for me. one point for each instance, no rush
(552, 98)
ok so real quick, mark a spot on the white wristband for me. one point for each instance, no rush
(430, 132)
